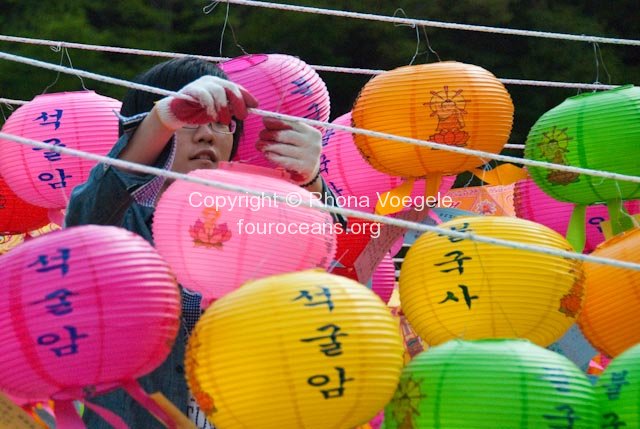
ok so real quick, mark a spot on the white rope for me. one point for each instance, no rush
(514, 146)
(316, 204)
(424, 143)
(472, 152)
(21, 102)
(89, 75)
(437, 24)
(349, 70)
(115, 49)
(11, 101)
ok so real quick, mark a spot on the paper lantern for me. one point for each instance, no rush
(384, 279)
(298, 350)
(453, 288)
(595, 130)
(80, 120)
(16, 215)
(356, 184)
(618, 391)
(485, 200)
(533, 204)
(85, 309)
(8, 242)
(216, 239)
(490, 384)
(599, 131)
(448, 102)
(610, 319)
(281, 83)
(13, 417)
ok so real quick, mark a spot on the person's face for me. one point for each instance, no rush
(202, 147)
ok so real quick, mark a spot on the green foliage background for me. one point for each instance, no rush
(182, 26)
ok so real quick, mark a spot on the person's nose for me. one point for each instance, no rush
(204, 134)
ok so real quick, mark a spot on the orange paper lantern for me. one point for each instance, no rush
(610, 319)
(448, 102)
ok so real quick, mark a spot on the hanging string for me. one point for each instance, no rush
(2, 107)
(209, 8)
(597, 52)
(57, 48)
(233, 34)
(315, 204)
(334, 69)
(426, 36)
(224, 27)
(437, 24)
(415, 54)
(370, 133)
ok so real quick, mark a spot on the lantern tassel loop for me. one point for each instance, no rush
(621, 220)
(67, 416)
(391, 202)
(576, 230)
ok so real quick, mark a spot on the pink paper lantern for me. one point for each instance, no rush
(216, 239)
(353, 179)
(80, 120)
(282, 84)
(532, 203)
(86, 309)
(377, 421)
(384, 278)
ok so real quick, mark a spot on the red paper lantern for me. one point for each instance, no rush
(18, 216)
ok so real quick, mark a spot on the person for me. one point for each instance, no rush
(182, 135)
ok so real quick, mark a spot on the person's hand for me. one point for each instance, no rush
(295, 146)
(216, 100)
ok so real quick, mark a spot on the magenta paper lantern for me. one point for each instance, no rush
(281, 83)
(86, 309)
(384, 278)
(532, 203)
(354, 180)
(18, 216)
(80, 120)
(216, 239)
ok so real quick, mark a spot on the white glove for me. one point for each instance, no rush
(295, 146)
(215, 100)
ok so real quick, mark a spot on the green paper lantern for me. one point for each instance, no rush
(599, 131)
(618, 390)
(494, 383)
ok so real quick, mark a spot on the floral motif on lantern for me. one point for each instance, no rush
(208, 233)
(554, 149)
(450, 109)
(571, 303)
(408, 397)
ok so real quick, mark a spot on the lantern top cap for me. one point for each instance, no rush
(244, 62)
(57, 94)
(243, 167)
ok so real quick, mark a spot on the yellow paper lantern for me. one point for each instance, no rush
(454, 288)
(299, 350)
(447, 102)
(610, 319)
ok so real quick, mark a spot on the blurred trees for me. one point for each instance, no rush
(182, 26)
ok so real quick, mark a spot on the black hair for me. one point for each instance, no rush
(172, 75)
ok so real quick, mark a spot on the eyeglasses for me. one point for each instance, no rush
(216, 127)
